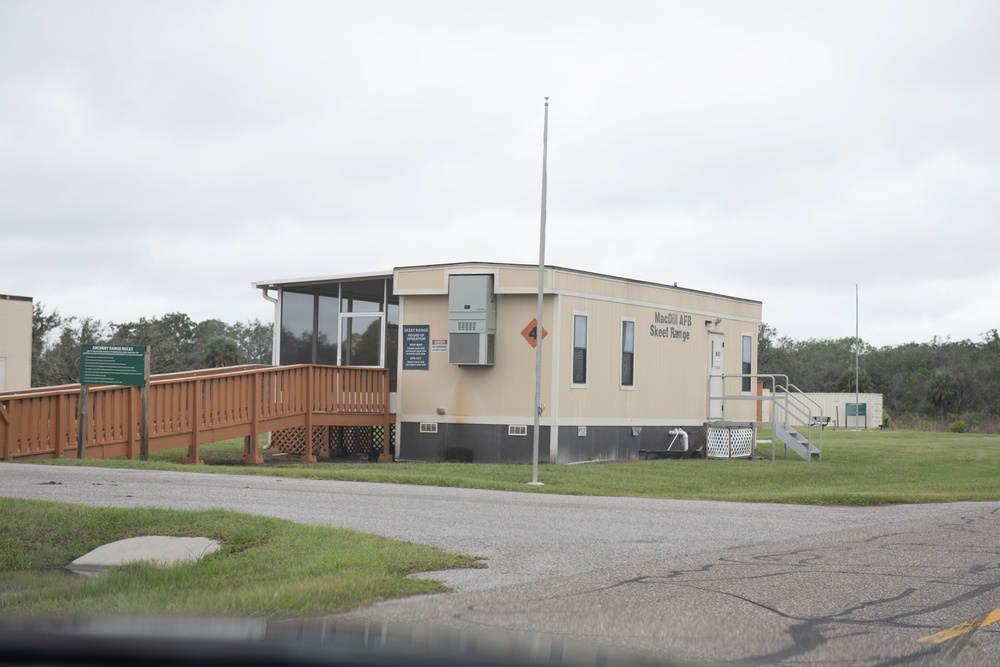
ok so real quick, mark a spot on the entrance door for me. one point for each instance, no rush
(716, 389)
(361, 339)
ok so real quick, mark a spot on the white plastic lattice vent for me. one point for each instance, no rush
(730, 442)
(466, 326)
(428, 427)
(517, 429)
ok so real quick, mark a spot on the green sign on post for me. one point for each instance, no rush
(114, 364)
(856, 409)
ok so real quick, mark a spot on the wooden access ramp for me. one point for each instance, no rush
(193, 408)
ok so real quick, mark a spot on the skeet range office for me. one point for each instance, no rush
(624, 361)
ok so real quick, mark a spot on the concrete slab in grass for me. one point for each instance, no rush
(157, 549)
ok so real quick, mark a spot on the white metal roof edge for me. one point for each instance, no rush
(389, 274)
(281, 282)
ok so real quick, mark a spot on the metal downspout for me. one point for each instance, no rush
(275, 339)
(276, 334)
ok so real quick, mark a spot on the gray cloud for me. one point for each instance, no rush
(160, 156)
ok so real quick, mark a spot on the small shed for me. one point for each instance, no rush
(843, 410)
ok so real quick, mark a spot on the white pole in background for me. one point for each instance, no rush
(857, 351)
(541, 287)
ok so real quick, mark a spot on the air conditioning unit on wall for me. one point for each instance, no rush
(472, 320)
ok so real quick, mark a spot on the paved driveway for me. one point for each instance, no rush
(747, 583)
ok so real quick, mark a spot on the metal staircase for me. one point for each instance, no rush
(797, 442)
(789, 405)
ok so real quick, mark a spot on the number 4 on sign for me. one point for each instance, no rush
(530, 332)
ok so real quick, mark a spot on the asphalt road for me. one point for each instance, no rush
(723, 582)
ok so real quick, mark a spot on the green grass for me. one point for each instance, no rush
(871, 468)
(265, 566)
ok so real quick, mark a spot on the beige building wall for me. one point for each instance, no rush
(672, 360)
(500, 394)
(15, 342)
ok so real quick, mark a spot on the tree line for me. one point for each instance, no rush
(942, 379)
(177, 343)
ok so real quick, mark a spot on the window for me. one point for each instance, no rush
(747, 353)
(628, 353)
(327, 329)
(579, 349)
(360, 340)
(297, 328)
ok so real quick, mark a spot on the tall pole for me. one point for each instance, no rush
(541, 289)
(857, 365)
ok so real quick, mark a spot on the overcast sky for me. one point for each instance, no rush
(159, 157)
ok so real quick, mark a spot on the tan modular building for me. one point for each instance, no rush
(624, 362)
(15, 342)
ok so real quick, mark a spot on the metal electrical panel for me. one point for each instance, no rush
(472, 320)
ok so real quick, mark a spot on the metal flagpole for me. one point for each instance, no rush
(541, 287)
(857, 351)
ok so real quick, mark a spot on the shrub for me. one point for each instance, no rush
(957, 426)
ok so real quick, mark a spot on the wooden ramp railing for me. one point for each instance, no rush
(194, 408)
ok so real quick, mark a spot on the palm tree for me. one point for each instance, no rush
(222, 351)
(941, 391)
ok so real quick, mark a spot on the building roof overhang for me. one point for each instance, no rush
(288, 283)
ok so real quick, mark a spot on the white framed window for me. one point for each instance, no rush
(628, 353)
(580, 325)
(746, 368)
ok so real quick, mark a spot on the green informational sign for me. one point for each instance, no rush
(113, 364)
(416, 346)
(856, 409)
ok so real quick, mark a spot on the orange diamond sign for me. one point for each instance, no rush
(530, 332)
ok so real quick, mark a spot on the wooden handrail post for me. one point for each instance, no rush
(251, 454)
(386, 455)
(55, 431)
(194, 450)
(81, 436)
(4, 434)
(144, 422)
(132, 432)
(760, 406)
(308, 456)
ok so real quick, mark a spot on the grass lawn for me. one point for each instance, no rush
(892, 466)
(265, 566)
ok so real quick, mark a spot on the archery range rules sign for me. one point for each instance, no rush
(114, 364)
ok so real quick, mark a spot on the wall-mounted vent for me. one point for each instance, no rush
(428, 427)
(517, 429)
(472, 320)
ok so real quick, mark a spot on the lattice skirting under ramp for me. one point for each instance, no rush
(337, 440)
